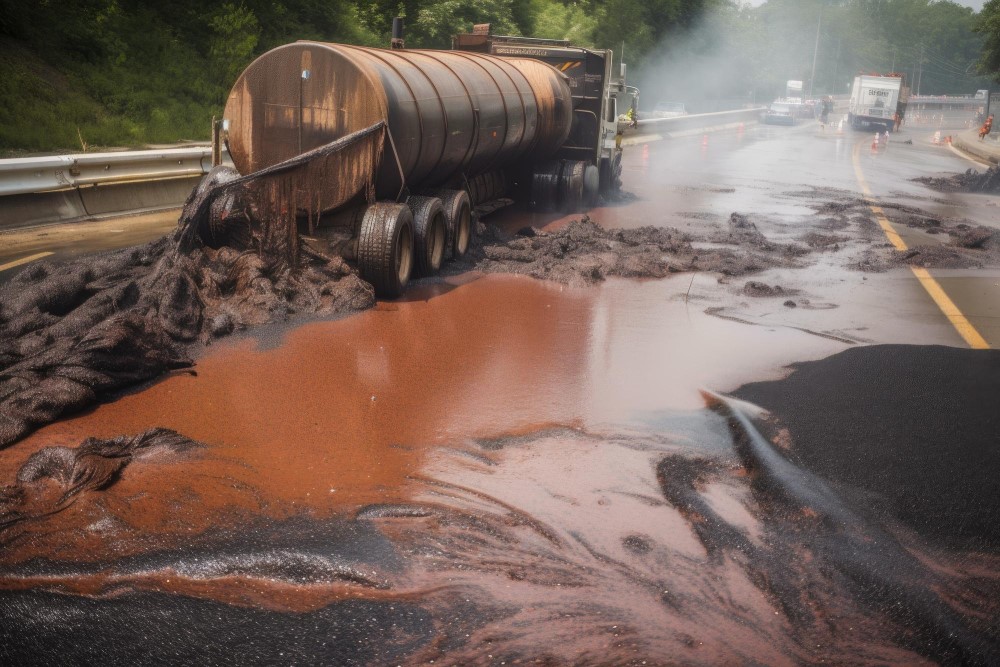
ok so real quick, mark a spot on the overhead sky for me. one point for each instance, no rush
(975, 4)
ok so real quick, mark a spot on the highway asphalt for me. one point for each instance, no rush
(495, 469)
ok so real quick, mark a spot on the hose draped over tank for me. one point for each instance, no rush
(448, 113)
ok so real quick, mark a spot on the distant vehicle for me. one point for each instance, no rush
(876, 100)
(793, 90)
(780, 113)
(667, 110)
(799, 108)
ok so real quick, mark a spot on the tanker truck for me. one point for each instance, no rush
(390, 154)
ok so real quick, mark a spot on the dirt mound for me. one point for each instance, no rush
(969, 181)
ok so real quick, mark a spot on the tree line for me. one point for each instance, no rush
(129, 72)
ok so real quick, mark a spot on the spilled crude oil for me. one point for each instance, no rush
(77, 333)
(540, 480)
(969, 181)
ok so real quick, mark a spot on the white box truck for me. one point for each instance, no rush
(793, 91)
(875, 101)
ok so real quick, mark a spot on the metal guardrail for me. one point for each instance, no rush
(64, 188)
(59, 172)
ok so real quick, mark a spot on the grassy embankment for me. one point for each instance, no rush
(81, 106)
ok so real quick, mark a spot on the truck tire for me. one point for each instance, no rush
(218, 225)
(571, 186)
(385, 247)
(545, 186)
(458, 212)
(430, 229)
(611, 175)
(591, 185)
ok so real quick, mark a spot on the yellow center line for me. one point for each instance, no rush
(934, 289)
(23, 260)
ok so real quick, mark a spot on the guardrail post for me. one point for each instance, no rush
(216, 142)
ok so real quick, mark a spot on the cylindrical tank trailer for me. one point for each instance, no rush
(455, 123)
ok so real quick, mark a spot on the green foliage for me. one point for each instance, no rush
(235, 33)
(130, 72)
(988, 25)
(555, 20)
(438, 21)
(127, 73)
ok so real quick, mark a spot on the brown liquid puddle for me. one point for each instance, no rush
(341, 413)
(503, 434)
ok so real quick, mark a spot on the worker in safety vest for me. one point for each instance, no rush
(986, 128)
(630, 116)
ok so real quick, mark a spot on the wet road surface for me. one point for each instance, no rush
(500, 470)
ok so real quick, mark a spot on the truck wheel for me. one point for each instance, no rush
(571, 186)
(545, 186)
(429, 232)
(458, 213)
(591, 185)
(385, 247)
(611, 175)
(218, 225)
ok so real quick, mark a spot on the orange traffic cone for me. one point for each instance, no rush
(875, 142)
(937, 138)
(704, 140)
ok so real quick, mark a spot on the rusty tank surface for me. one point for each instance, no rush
(395, 150)
(449, 113)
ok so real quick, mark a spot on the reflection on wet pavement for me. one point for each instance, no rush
(501, 470)
(537, 479)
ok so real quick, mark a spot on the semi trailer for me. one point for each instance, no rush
(877, 100)
(390, 154)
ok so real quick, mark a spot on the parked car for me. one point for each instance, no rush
(667, 110)
(780, 113)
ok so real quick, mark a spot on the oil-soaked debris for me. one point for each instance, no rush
(51, 479)
(584, 253)
(974, 237)
(916, 425)
(73, 333)
(970, 181)
(166, 628)
(744, 233)
(756, 288)
(884, 258)
(881, 571)
(553, 555)
(821, 241)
